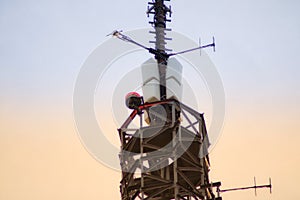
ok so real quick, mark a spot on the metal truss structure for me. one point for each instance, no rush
(165, 160)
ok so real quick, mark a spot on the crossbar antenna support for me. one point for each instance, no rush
(255, 187)
(162, 55)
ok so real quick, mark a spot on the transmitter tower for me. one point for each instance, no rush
(163, 158)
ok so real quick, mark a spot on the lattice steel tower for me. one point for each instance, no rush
(163, 159)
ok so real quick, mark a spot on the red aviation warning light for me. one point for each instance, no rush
(133, 100)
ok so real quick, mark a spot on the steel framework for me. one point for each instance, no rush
(165, 160)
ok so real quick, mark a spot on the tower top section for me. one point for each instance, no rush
(161, 16)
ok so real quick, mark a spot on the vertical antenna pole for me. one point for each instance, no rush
(160, 19)
(255, 186)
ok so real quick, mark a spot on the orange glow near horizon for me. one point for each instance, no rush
(43, 158)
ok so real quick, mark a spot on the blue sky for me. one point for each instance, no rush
(46, 42)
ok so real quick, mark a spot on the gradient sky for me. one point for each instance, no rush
(44, 43)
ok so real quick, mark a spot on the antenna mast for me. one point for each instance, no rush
(160, 11)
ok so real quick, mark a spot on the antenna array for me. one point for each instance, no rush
(165, 159)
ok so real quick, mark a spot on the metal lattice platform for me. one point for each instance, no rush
(166, 161)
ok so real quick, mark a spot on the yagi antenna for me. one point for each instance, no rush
(255, 187)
